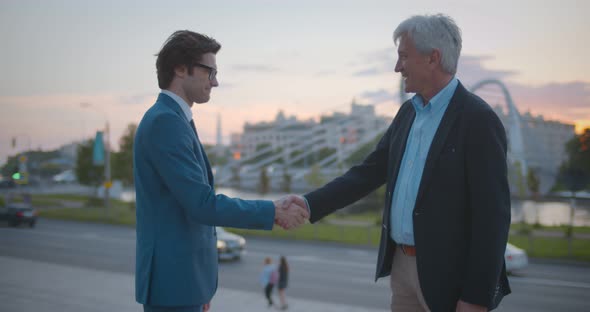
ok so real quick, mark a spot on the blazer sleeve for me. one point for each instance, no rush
(353, 185)
(489, 201)
(171, 153)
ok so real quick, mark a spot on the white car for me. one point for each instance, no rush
(516, 258)
(229, 246)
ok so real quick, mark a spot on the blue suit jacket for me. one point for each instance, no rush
(177, 209)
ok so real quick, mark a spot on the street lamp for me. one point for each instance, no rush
(107, 167)
(23, 175)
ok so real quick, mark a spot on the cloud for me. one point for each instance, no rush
(567, 102)
(325, 73)
(379, 96)
(255, 68)
(471, 69)
(137, 99)
(376, 63)
(373, 71)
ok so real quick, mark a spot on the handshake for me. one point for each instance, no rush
(291, 211)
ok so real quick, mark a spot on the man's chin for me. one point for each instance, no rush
(203, 100)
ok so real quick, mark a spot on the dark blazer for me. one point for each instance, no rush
(462, 213)
(177, 209)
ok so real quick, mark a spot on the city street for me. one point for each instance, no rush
(91, 268)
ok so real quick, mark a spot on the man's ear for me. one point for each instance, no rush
(435, 57)
(180, 71)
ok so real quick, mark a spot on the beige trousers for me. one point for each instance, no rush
(406, 295)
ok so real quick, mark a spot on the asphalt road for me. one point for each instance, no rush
(319, 271)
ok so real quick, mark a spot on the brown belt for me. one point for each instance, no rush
(408, 250)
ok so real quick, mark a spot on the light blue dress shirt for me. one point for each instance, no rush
(186, 109)
(423, 129)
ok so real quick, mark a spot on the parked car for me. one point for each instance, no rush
(19, 213)
(229, 246)
(516, 258)
(7, 183)
(68, 176)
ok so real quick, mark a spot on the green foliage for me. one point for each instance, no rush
(258, 158)
(364, 151)
(325, 152)
(286, 181)
(34, 157)
(86, 172)
(315, 177)
(94, 202)
(2, 203)
(552, 247)
(533, 182)
(217, 157)
(235, 176)
(574, 173)
(519, 180)
(122, 161)
(263, 182)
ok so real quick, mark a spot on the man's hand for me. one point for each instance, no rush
(290, 212)
(463, 306)
(206, 307)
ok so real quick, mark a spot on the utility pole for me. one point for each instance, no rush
(107, 162)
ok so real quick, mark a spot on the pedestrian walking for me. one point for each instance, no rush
(283, 281)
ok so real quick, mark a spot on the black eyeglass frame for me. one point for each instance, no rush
(212, 71)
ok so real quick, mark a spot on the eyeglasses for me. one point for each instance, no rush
(212, 71)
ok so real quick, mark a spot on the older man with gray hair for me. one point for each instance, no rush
(447, 208)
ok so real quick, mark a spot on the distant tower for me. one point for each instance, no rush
(219, 143)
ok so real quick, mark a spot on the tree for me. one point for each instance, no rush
(235, 176)
(533, 182)
(519, 180)
(286, 181)
(122, 161)
(86, 172)
(574, 173)
(315, 177)
(264, 182)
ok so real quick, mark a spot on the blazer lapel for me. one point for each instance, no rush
(397, 145)
(169, 102)
(203, 154)
(439, 140)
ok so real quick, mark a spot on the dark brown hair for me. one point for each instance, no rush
(183, 47)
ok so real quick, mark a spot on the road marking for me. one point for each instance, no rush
(316, 259)
(548, 282)
(85, 236)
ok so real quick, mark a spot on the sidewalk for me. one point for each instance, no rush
(32, 286)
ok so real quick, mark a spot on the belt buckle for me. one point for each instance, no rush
(410, 253)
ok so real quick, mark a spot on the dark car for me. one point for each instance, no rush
(229, 246)
(7, 184)
(18, 213)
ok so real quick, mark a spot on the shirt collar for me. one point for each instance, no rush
(439, 100)
(183, 105)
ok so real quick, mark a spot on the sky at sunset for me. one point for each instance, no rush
(306, 58)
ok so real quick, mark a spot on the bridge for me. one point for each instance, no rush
(288, 159)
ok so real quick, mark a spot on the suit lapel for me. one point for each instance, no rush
(204, 155)
(439, 139)
(170, 103)
(397, 145)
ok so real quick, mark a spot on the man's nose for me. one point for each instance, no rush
(398, 67)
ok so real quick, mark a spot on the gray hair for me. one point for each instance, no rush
(430, 32)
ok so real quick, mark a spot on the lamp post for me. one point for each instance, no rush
(107, 165)
(22, 159)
